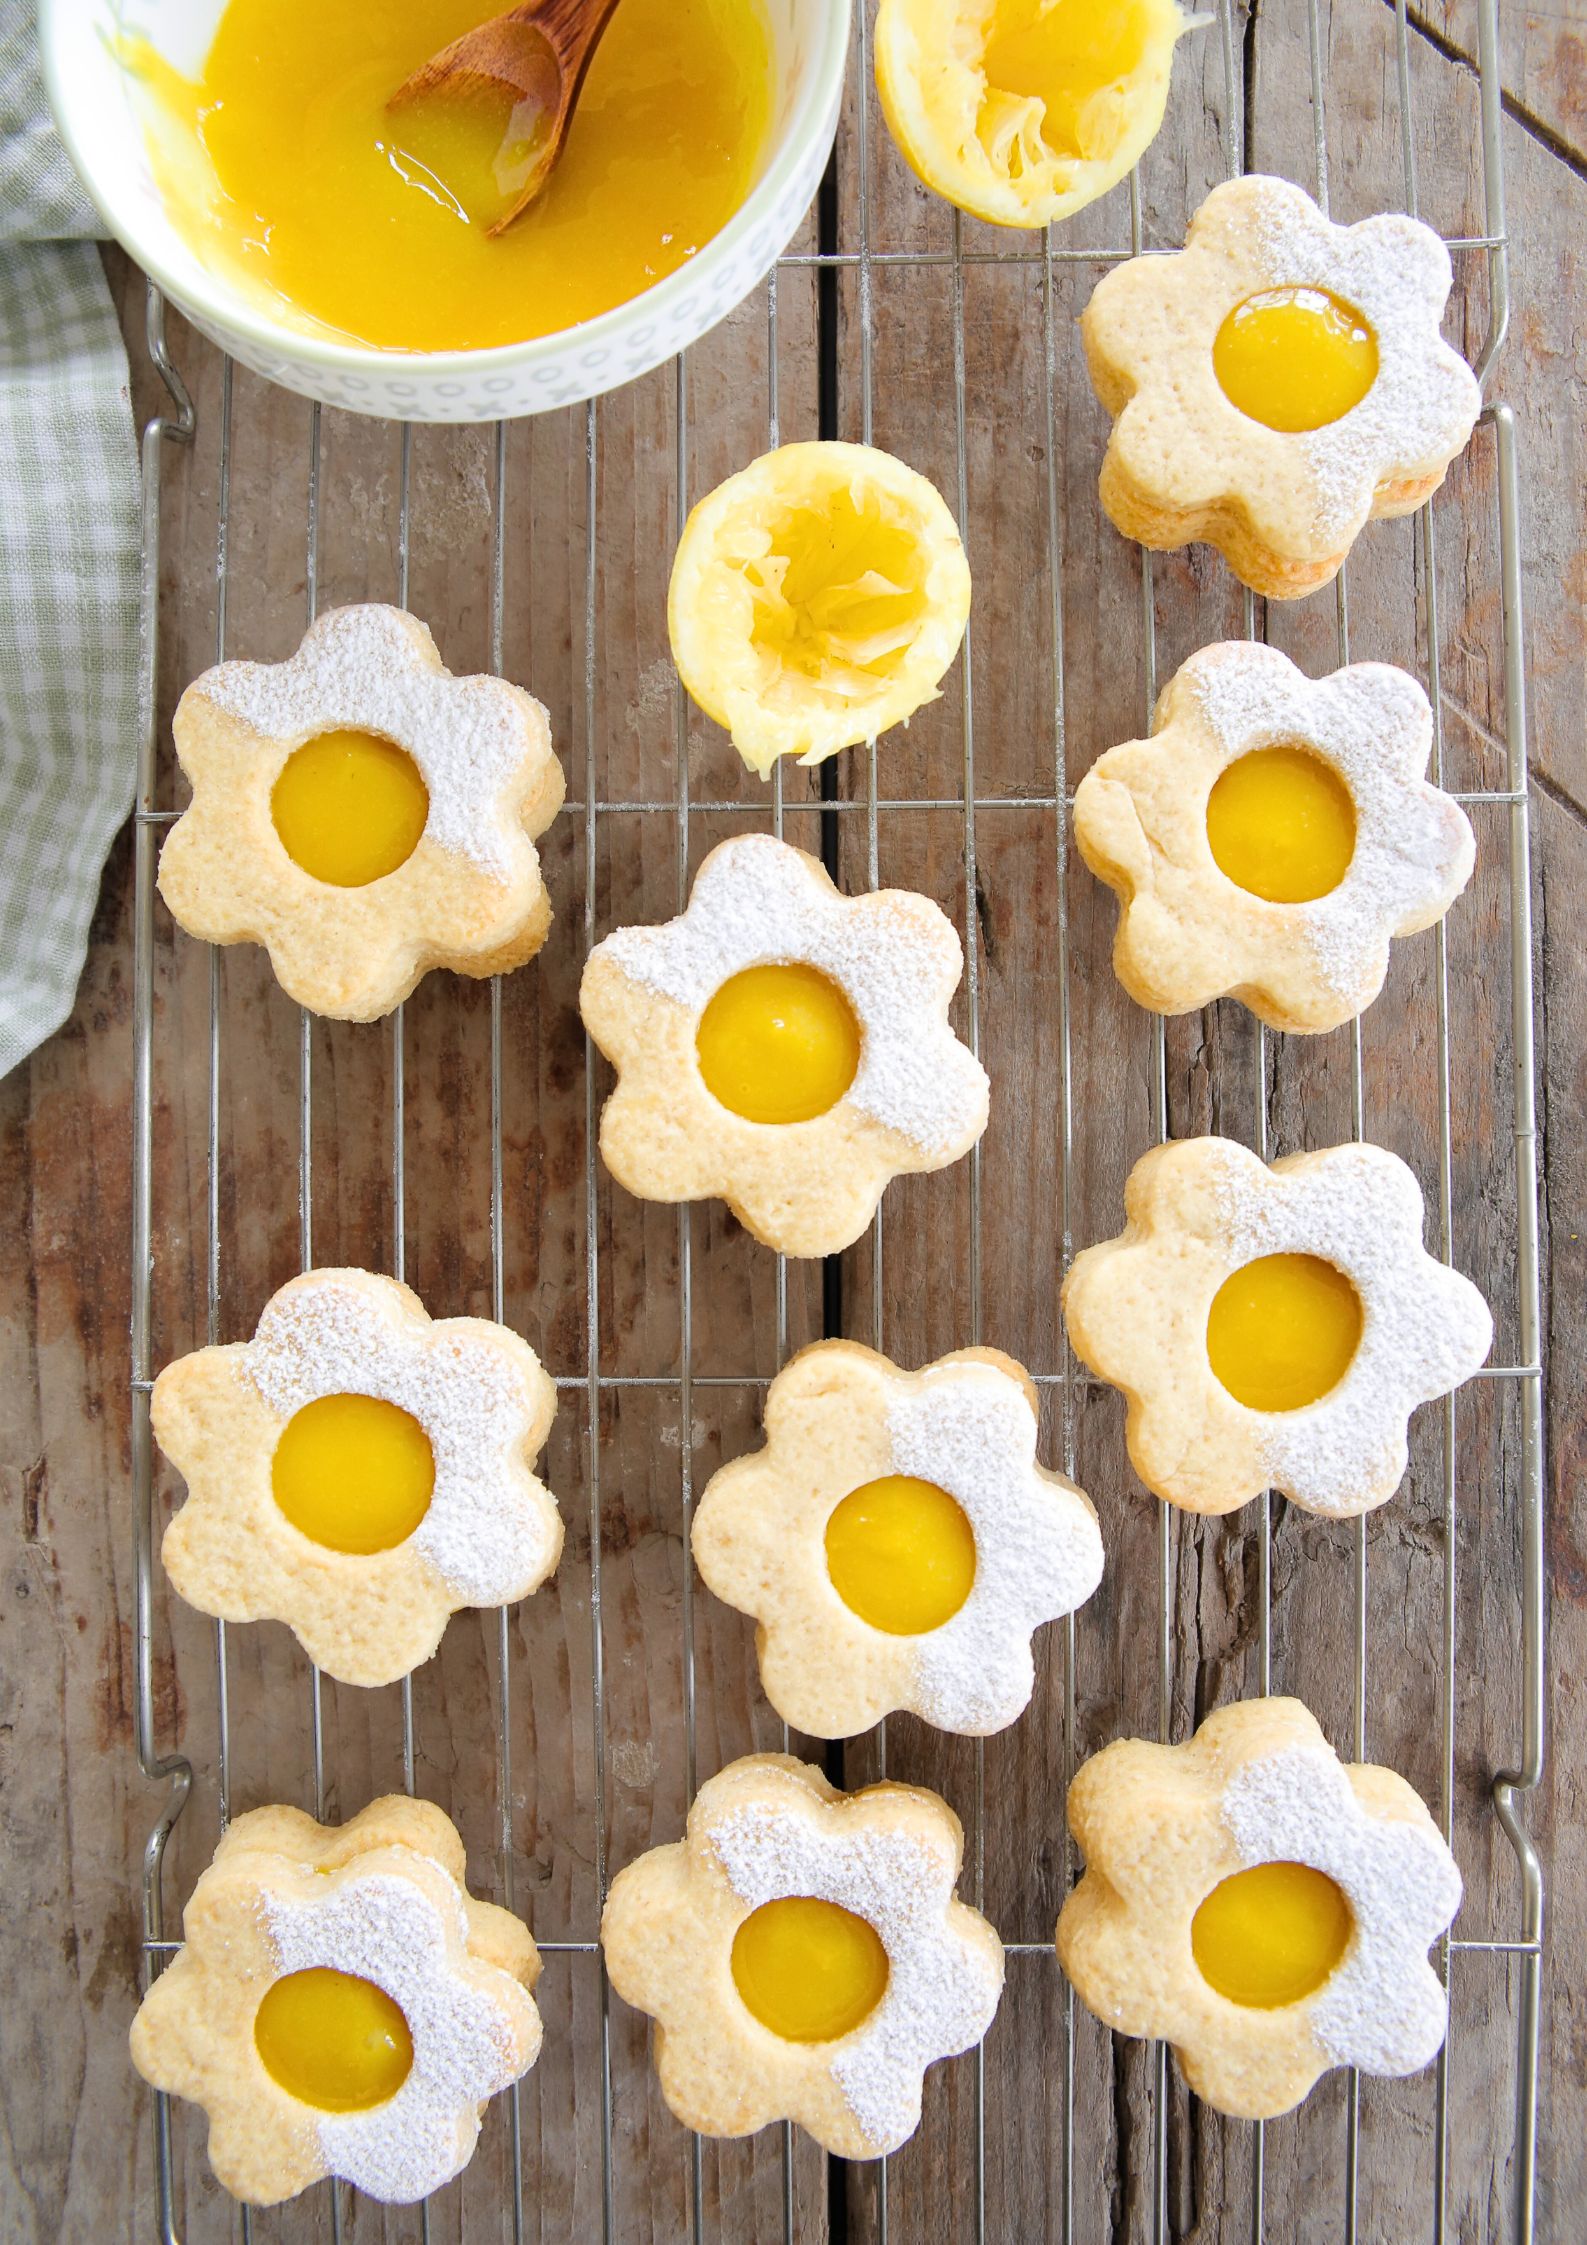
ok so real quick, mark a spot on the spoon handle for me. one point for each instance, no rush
(571, 28)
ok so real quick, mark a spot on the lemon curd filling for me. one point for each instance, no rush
(838, 599)
(333, 2040)
(1075, 57)
(1283, 1331)
(1295, 358)
(1281, 824)
(1271, 1935)
(349, 808)
(353, 1473)
(283, 164)
(901, 1554)
(778, 1044)
(808, 1970)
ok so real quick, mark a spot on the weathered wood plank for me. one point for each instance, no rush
(77, 2150)
(1543, 63)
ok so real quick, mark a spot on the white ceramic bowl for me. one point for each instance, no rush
(92, 100)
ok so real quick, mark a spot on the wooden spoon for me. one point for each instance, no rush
(538, 53)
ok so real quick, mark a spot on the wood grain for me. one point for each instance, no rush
(1057, 670)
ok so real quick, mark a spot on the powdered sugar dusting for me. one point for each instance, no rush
(473, 739)
(1425, 1328)
(757, 901)
(387, 1929)
(1424, 402)
(1038, 1551)
(322, 1335)
(1382, 2008)
(1374, 725)
(941, 1994)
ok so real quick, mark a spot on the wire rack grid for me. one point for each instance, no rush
(1065, 1387)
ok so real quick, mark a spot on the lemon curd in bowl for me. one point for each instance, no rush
(282, 164)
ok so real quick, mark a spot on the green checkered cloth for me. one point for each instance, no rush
(69, 561)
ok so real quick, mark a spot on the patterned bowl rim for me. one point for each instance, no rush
(808, 128)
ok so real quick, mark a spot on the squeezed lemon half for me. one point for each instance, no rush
(817, 597)
(1023, 111)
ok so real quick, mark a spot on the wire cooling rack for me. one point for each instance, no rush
(849, 266)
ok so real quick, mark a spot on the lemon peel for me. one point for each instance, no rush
(1025, 111)
(817, 598)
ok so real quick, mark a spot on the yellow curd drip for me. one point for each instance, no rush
(808, 1970)
(284, 164)
(349, 808)
(1283, 1330)
(778, 1044)
(333, 2040)
(1282, 824)
(1271, 1935)
(901, 1554)
(353, 1472)
(1295, 358)
(1064, 53)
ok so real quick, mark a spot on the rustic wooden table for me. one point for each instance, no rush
(666, 1326)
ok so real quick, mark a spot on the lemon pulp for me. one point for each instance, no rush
(808, 1970)
(1283, 1330)
(333, 2040)
(901, 1554)
(1282, 824)
(778, 1044)
(1295, 358)
(1065, 55)
(292, 175)
(349, 808)
(353, 1472)
(1271, 1935)
(838, 598)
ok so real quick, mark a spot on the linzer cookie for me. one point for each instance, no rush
(363, 814)
(358, 1472)
(1272, 1328)
(803, 1956)
(340, 2005)
(1278, 383)
(783, 1047)
(1272, 836)
(1261, 1907)
(896, 1541)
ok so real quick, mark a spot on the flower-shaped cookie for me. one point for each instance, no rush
(341, 2006)
(363, 814)
(1351, 405)
(803, 1956)
(1272, 1328)
(1259, 1905)
(783, 1047)
(1272, 835)
(358, 1472)
(896, 1540)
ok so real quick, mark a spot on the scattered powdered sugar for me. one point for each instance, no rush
(388, 1930)
(359, 669)
(1374, 724)
(1038, 1551)
(1382, 2008)
(757, 901)
(1394, 270)
(941, 1994)
(1425, 1327)
(321, 1335)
